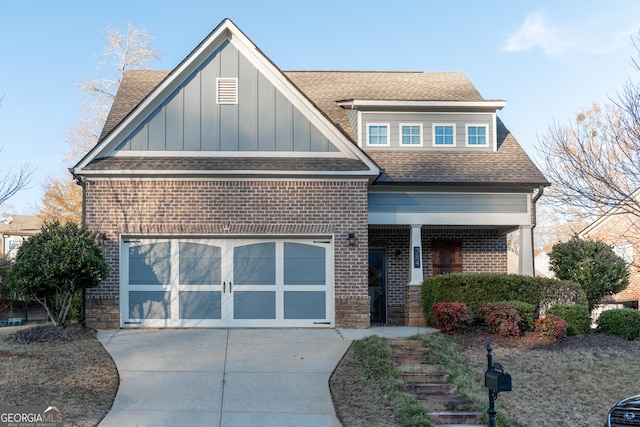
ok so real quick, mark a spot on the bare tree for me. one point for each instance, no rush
(124, 51)
(593, 161)
(13, 181)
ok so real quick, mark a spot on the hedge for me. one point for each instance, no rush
(478, 289)
(624, 322)
(577, 316)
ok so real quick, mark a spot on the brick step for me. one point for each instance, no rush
(455, 417)
(420, 368)
(408, 351)
(445, 402)
(404, 343)
(413, 360)
(426, 389)
(434, 377)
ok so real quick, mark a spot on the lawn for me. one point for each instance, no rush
(71, 371)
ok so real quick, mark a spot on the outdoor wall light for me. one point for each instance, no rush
(352, 239)
(102, 238)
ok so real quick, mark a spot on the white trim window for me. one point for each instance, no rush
(378, 134)
(477, 135)
(411, 134)
(624, 251)
(444, 134)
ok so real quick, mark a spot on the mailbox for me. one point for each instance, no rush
(496, 380)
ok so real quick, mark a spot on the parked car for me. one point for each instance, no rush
(625, 413)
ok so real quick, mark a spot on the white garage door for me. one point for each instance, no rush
(226, 283)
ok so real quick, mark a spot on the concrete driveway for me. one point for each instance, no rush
(228, 377)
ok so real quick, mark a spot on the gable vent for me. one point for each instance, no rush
(227, 90)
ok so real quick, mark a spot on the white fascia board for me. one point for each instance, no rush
(235, 154)
(221, 173)
(449, 218)
(489, 105)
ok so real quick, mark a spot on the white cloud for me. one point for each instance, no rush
(595, 37)
(535, 32)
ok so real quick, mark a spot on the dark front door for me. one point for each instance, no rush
(378, 285)
(447, 256)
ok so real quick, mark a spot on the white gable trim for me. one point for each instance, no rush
(225, 32)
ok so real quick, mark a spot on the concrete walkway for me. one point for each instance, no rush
(229, 377)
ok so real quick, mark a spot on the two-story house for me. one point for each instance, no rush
(231, 193)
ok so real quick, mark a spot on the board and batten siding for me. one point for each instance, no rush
(262, 120)
(427, 120)
(448, 208)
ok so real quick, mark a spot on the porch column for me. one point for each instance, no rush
(525, 264)
(417, 276)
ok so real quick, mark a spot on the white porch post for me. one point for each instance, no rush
(417, 276)
(525, 264)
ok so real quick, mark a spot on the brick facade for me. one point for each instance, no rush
(228, 208)
(482, 251)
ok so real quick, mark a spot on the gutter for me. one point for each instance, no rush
(535, 221)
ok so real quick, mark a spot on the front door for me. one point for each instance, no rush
(377, 286)
(226, 282)
(447, 256)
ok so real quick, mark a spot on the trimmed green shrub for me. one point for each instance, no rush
(577, 316)
(451, 316)
(594, 265)
(479, 289)
(527, 312)
(624, 322)
(552, 327)
(502, 320)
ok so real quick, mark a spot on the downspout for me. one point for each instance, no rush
(81, 182)
(535, 220)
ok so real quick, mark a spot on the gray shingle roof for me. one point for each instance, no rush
(264, 164)
(509, 164)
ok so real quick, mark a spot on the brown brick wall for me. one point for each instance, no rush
(482, 251)
(188, 207)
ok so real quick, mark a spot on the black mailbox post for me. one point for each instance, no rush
(496, 380)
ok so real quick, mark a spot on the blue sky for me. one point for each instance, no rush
(547, 59)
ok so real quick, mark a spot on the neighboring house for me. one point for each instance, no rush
(232, 193)
(14, 230)
(620, 230)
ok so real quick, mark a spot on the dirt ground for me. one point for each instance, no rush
(69, 369)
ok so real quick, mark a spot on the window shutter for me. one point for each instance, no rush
(227, 90)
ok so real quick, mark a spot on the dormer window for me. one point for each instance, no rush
(444, 134)
(378, 134)
(411, 134)
(477, 135)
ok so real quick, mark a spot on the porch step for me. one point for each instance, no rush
(433, 377)
(455, 417)
(423, 377)
(426, 389)
(444, 402)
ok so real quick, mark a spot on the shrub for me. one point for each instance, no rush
(502, 320)
(479, 289)
(451, 316)
(594, 265)
(552, 327)
(527, 312)
(624, 322)
(577, 316)
(54, 264)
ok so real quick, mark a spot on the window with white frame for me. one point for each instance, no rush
(477, 135)
(411, 134)
(378, 134)
(444, 134)
(624, 251)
